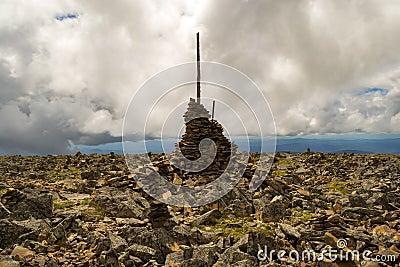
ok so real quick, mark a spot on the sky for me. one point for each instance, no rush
(69, 68)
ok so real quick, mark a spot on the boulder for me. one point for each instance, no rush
(22, 254)
(207, 254)
(289, 231)
(271, 210)
(12, 232)
(252, 242)
(143, 252)
(233, 255)
(159, 214)
(122, 203)
(20, 205)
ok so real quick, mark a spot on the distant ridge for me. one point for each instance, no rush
(350, 151)
(358, 146)
(336, 144)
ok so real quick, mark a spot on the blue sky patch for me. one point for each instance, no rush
(376, 89)
(66, 16)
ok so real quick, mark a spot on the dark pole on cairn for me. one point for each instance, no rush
(198, 68)
(213, 109)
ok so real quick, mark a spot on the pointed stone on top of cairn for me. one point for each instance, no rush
(195, 111)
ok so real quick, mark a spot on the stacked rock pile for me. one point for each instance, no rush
(216, 155)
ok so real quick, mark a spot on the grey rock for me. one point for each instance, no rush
(207, 253)
(90, 175)
(179, 258)
(35, 246)
(123, 203)
(12, 232)
(22, 254)
(117, 243)
(159, 215)
(143, 252)
(289, 230)
(252, 242)
(358, 200)
(59, 232)
(238, 210)
(224, 242)
(159, 239)
(208, 218)
(184, 233)
(20, 205)
(103, 244)
(233, 255)
(174, 258)
(363, 211)
(110, 258)
(272, 210)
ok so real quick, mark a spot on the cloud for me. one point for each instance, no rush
(69, 68)
(310, 56)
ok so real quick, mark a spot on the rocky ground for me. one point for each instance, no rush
(87, 210)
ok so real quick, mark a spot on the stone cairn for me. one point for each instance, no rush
(199, 126)
(190, 164)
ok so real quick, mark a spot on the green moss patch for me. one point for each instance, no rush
(338, 186)
(237, 228)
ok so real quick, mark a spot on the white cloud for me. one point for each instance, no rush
(71, 79)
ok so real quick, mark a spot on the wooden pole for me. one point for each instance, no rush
(213, 109)
(198, 68)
